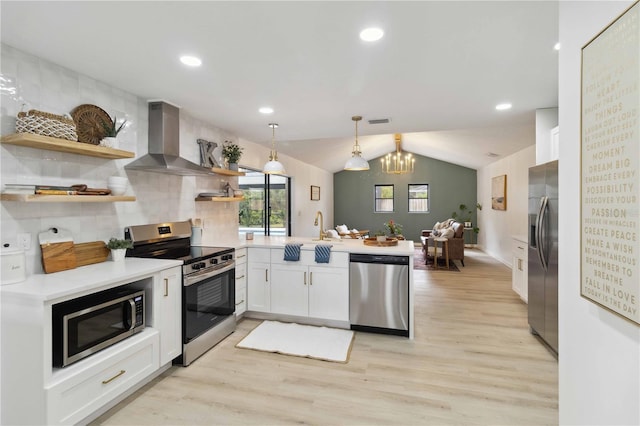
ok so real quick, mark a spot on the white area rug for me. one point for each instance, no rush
(328, 344)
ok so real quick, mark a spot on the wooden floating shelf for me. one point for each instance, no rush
(226, 172)
(219, 198)
(38, 198)
(32, 140)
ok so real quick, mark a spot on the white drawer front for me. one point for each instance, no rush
(241, 256)
(241, 301)
(519, 248)
(74, 399)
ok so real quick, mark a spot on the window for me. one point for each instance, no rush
(384, 198)
(266, 207)
(419, 198)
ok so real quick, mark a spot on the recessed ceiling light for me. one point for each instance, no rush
(191, 61)
(503, 107)
(557, 46)
(371, 34)
(266, 110)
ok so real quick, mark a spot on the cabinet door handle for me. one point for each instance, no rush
(305, 278)
(520, 264)
(266, 275)
(310, 278)
(240, 277)
(105, 382)
(166, 287)
(240, 302)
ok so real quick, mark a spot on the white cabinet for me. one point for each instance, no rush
(241, 281)
(35, 392)
(519, 268)
(167, 313)
(329, 292)
(555, 143)
(289, 292)
(258, 270)
(107, 375)
(309, 289)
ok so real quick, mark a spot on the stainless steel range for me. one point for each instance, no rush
(208, 283)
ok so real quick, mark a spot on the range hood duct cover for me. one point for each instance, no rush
(164, 145)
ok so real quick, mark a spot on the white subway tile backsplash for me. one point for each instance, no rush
(45, 86)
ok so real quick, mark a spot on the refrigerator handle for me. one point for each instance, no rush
(542, 233)
(537, 233)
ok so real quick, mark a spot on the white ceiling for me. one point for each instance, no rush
(437, 73)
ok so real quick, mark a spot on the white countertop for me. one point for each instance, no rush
(351, 245)
(85, 279)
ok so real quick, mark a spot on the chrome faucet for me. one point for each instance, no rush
(315, 223)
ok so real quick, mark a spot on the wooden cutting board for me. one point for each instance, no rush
(90, 253)
(58, 256)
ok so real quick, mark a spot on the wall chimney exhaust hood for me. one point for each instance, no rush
(164, 145)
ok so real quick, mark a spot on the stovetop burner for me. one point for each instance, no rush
(169, 241)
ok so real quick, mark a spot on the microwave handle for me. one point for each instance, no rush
(131, 314)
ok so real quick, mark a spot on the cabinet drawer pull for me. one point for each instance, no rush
(166, 287)
(240, 302)
(240, 277)
(242, 255)
(104, 382)
(521, 248)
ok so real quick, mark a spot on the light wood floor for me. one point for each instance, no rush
(473, 362)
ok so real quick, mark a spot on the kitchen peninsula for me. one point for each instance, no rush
(309, 292)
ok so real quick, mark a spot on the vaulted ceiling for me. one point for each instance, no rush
(437, 73)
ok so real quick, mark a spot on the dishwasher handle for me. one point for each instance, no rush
(375, 258)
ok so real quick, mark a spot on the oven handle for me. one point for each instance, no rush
(195, 278)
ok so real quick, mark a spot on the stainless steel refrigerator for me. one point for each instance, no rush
(543, 253)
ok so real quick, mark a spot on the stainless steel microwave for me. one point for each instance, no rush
(85, 325)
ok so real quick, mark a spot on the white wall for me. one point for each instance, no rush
(599, 366)
(42, 85)
(498, 227)
(546, 119)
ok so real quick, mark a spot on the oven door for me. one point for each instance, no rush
(208, 298)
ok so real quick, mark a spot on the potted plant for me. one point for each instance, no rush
(393, 229)
(464, 215)
(118, 248)
(111, 131)
(232, 152)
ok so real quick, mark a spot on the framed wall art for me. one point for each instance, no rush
(499, 192)
(609, 167)
(315, 193)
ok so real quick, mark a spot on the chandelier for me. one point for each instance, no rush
(397, 162)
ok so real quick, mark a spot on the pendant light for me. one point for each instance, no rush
(356, 162)
(273, 166)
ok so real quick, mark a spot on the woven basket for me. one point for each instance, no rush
(46, 124)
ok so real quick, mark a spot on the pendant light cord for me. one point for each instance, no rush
(356, 147)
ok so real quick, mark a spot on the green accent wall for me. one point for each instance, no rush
(449, 186)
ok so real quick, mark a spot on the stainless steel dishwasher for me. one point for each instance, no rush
(379, 293)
